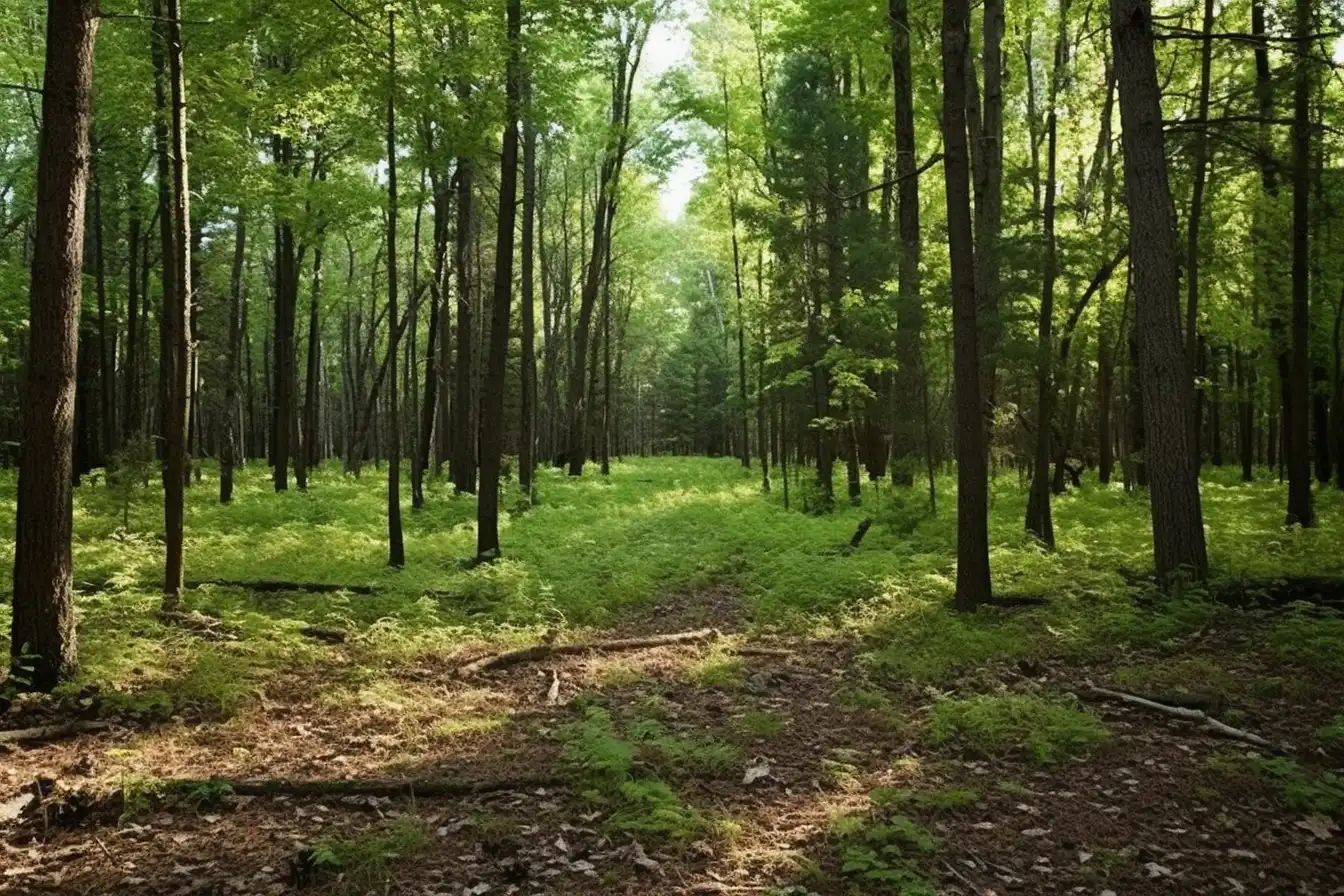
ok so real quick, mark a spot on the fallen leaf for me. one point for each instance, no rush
(641, 858)
(756, 772)
(1156, 870)
(1243, 854)
(12, 809)
(1035, 832)
(1319, 826)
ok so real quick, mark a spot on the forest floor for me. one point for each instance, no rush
(833, 729)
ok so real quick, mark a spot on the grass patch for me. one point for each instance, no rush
(1046, 730)
(1191, 676)
(622, 763)
(718, 669)
(946, 799)
(873, 703)
(364, 862)
(1299, 789)
(881, 851)
(1331, 734)
(761, 723)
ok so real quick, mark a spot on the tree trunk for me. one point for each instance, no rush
(106, 347)
(42, 630)
(1300, 504)
(463, 463)
(396, 548)
(1178, 526)
(527, 437)
(1039, 520)
(130, 401)
(973, 578)
(492, 405)
(909, 307)
(228, 449)
(1201, 164)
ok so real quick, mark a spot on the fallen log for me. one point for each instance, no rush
(427, 787)
(546, 651)
(1180, 712)
(44, 733)
(857, 539)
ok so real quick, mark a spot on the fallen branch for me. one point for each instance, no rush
(45, 733)
(760, 651)
(546, 651)
(431, 787)
(1180, 712)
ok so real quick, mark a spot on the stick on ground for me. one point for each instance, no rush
(50, 732)
(1180, 712)
(546, 651)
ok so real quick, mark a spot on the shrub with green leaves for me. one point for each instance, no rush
(365, 862)
(881, 851)
(1047, 730)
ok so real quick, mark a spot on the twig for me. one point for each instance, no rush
(961, 877)
(546, 651)
(50, 732)
(760, 651)
(1180, 712)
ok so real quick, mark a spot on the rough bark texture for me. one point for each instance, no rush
(228, 455)
(973, 583)
(1178, 527)
(43, 625)
(492, 395)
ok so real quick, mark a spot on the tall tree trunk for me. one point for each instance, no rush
(1300, 504)
(433, 362)
(177, 312)
(463, 464)
(1178, 525)
(106, 345)
(396, 547)
(909, 307)
(228, 449)
(43, 647)
(492, 405)
(744, 449)
(1039, 520)
(527, 435)
(973, 577)
(989, 206)
(130, 397)
(1201, 164)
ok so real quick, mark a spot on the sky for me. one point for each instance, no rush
(669, 45)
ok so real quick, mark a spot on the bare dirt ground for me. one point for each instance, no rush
(1143, 814)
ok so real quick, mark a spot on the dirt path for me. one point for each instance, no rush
(762, 752)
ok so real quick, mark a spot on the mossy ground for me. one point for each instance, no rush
(885, 686)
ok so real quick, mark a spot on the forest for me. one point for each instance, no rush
(786, 447)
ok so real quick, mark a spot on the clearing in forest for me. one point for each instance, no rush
(773, 712)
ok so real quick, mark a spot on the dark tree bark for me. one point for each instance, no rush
(433, 362)
(282, 338)
(973, 578)
(492, 405)
(987, 157)
(228, 456)
(396, 547)
(527, 437)
(909, 307)
(1300, 503)
(1200, 163)
(313, 375)
(1039, 520)
(744, 449)
(43, 647)
(1178, 525)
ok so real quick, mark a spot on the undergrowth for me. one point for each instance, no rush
(1046, 730)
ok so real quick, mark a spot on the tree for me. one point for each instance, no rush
(177, 313)
(396, 547)
(973, 582)
(43, 646)
(1300, 506)
(492, 404)
(1178, 524)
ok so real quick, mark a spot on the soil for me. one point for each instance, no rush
(1144, 814)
